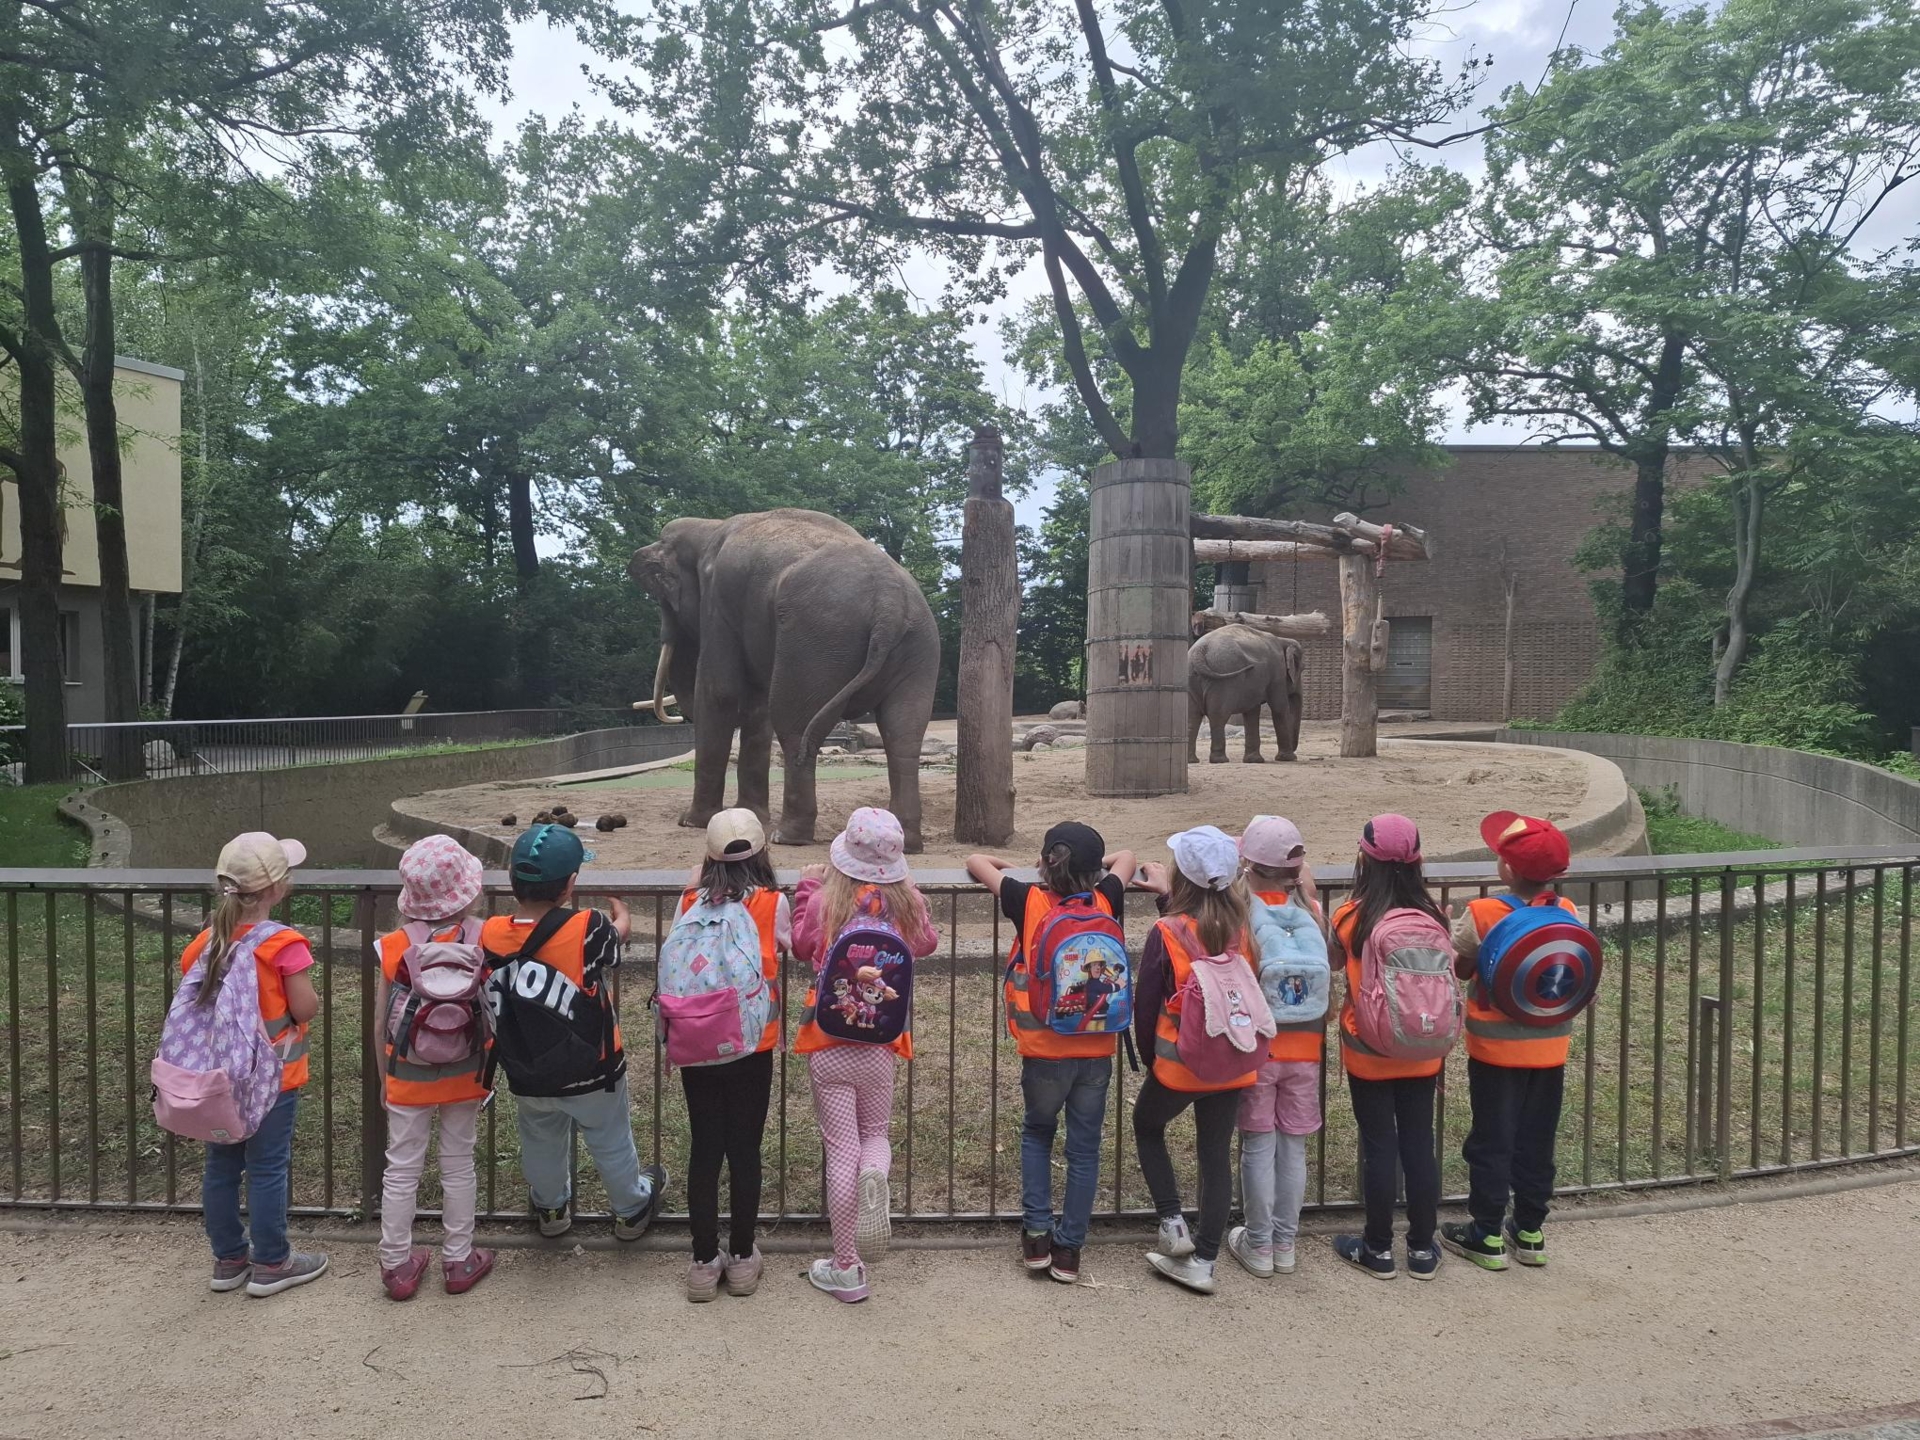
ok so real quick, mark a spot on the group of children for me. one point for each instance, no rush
(529, 993)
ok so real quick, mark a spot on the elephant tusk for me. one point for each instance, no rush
(661, 700)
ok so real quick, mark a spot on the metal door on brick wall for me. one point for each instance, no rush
(1408, 681)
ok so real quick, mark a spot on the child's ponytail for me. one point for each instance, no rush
(226, 919)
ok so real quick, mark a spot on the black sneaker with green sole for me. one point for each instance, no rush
(1467, 1241)
(1529, 1246)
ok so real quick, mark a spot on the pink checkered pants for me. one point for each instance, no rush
(853, 1100)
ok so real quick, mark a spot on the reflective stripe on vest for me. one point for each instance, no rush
(1031, 1036)
(1178, 935)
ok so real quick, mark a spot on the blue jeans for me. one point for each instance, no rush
(266, 1160)
(606, 1126)
(1080, 1088)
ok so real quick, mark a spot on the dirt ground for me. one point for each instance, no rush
(1720, 1316)
(1447, 788)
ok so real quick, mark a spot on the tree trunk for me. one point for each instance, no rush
(526, 559)
(1748, 503)
(989, 624)
(1156, 412)
(1640, 560)
(1364, 655)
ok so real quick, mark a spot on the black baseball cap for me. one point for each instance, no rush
(1085, 848)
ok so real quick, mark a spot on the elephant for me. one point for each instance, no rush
(1234, 671)
(779, 624)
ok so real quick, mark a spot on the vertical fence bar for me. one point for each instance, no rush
(1694, 1049)
(13, 1042)
(53, 1044)
(1791, 961)
(167, 964)
(953, 1035)
(659, 1059)
(89, 928)
(130, 1044)
(1759, 1014)
(1626, 1029)
(1656, 1141)
(1906, 1003)
(1818, 1094)
(1723, 1109)
(1846, 1014)
(1711, 1013)
(1592, 1055)
(1873, 1010)
(326, 1047)
(373, 1116)
(787, 971)
(993, 1089)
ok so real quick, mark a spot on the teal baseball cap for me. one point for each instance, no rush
(547, 852)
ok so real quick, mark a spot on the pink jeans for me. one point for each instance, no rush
(408, 1128)
(853, 1100)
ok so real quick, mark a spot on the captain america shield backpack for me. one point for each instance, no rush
(1539, 965)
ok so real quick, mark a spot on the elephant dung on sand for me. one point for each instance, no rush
(1234, 671)
(779, 625)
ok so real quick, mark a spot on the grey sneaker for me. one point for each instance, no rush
(848, 1286)
(1254, 1260)
(743, 1272)
(874, 1231)
(632, 1227)
(297, 1269)
(555, 1222)
(1188, 1270)
(1175, 1239)
(231, 1274)
(703, 1279)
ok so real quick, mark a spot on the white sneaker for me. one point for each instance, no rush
(874, 1230)
(848, 1285)
(1175, 1239)
(1255, 1261)
(1283, 1259)
(1188, 1270)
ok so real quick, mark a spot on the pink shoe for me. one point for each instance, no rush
(462, 1275)
(403, 1279)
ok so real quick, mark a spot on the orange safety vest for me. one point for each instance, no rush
(1297, 1039)
(409, 1083)
(273, 1000)
(810, 1037)
(1178, 935)
(763, 906)
(1030, 1036)
(1493, 1036)
(566, 953)
(1361, 1062)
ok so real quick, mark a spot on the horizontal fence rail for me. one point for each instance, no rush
(1753, 1019)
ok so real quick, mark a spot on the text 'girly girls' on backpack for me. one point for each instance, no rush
(217, 1074)
(437, 1011)
(1079, 974)
(713, 999)
(1408, 1006)
(1225, 1023)
(866, 985)
(1539, 965)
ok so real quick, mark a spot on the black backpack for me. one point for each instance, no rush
(550, 1036)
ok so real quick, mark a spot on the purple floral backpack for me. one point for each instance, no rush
(217, 1074)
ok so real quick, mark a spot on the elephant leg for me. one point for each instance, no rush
(712, 744)
(1217, 716)
(902, 718)
(1196, 712)
(799, 800)
(1250, 723)
(1285, 701)
(756, 759)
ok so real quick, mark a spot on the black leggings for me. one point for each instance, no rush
(727, 1115)
(1214, 1113)
(1396, 1134)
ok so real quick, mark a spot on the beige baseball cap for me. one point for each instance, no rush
(256, 861)
(735, 835)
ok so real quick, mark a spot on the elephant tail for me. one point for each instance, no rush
(889, 628)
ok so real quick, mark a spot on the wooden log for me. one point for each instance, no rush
(1220, 552)
(1360, 625)
(1347, 535)
(1310, 626)
(1406, 543)
(989, 623)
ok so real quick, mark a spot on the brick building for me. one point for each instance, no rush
(1497, 510)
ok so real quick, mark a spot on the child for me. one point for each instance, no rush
(853, 1083)
(440, 883)
(1392, 1099)
(1205, 913)
(1283, 1107)
(1515, 1076)
(727, 1103)
(253, 875)
(1058, 1072)
(558, 1037)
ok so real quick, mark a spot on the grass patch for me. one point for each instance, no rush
(33, 832)
(1669, 832)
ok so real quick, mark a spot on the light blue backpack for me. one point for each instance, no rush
(712, 998)
(1294, 974)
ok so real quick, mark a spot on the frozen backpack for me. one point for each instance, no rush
(1539, 965)
(217, 1074)
(853, 1005)
(437, 1012)
(1078, 973)
(711, 994)
(1407, 1006)
(1225, 1025)
(1294, 974)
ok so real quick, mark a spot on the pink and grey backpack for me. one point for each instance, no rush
(1408, 1004)
(437, 1014)
(1226, 1026)
(217, 1074)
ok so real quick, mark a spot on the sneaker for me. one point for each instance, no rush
(1529, 1246)
(743, 1272)
(1423, 1264)
(1063, 1264)
(632, 1227)
(1470, 1242)
(1353, 1250)
(1175, 1239)
(460, 1276)
(1036, 1251)
(1283, 1259)
(849, 1285)
(703, 1279)
(874, 1230)
(1188, 1270)
(403, 1279)
(555, 1222)
(296, 1269)
(231, 1274)
(1256, 1261)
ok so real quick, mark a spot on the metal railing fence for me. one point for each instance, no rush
(1754, 1019)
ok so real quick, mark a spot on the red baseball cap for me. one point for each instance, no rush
(1536, 850)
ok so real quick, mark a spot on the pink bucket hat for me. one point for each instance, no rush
(1272, 841)
(872, 848)
(441, 879)
(1392, 838)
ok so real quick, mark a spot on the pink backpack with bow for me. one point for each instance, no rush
(1226, 1025)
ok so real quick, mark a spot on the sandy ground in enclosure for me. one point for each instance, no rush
(1711, 1317)
(1447, 788)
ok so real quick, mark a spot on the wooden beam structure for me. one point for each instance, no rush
(1225, 552)
(1347, 535)
(1311, 626)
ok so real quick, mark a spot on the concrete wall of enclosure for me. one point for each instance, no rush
(1786, 795)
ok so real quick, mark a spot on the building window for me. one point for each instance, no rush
(10, 647)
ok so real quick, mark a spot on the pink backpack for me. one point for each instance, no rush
(437, 1014)
(217, 1074)
(1226, 1026)
(1408, 1004)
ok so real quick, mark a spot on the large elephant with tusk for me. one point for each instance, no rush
(779, 625)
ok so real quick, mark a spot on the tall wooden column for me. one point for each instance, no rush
(1139, 609)
(989, 625)
(1364, 655)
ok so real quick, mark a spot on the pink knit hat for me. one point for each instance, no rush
(441, 879)
(872, 848)
(1392, 838)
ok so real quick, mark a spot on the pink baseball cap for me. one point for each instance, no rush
(440, 879)
(872, 848)
(1274, 842)
(1392, 838)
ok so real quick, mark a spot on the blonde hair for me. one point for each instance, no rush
(900, 901)
(228, 916)
(1220, 916)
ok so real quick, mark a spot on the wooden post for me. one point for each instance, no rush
(989, 623)
(1364, 632)
(1139, 625)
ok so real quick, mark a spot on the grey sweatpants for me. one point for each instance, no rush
(1273, 1185)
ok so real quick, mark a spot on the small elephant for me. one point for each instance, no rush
(1234, 671)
